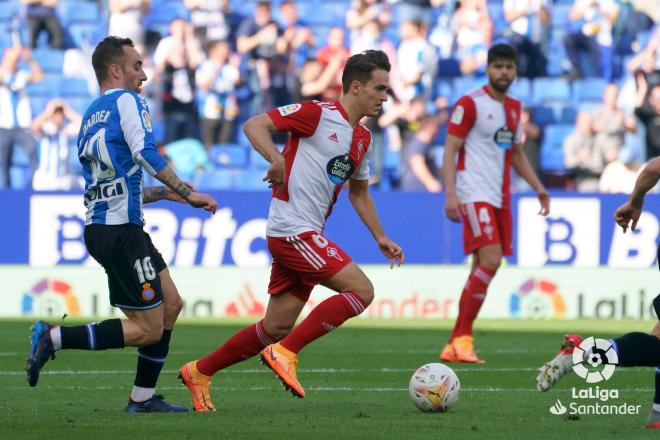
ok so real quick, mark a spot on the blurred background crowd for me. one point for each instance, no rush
(589, 78)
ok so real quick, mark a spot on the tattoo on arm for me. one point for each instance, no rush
(153, 194)
(182, 190)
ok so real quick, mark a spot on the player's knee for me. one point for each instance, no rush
(278, 330)
(173, 308)
(492, 262)
(366, 292)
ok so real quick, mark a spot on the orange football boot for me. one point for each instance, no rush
(284, 364)
(448, 354)
(199, 385)
(464, 349)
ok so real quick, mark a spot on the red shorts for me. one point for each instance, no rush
(302, 261)
(483, 224)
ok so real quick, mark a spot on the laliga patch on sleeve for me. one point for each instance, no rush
(146, 120)
(289, 109)
(457, 116)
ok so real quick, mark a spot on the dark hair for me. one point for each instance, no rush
(359, 67)
(109, 51)
(502, 51)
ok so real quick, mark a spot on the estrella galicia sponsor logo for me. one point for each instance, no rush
(105, 191)
(340, 168)
(504, 138)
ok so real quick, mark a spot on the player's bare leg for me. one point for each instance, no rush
(355, 294)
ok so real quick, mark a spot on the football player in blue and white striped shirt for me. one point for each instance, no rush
(115, 145)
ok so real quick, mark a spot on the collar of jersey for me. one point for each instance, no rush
(110, 91)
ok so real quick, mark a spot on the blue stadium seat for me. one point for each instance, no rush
(20, 177)
(250, 180)
(521, 89)
(568, 114)
(19, 157)
(8, 9)
(543, 115)
(449, 68)
(331, 13)
(165, 13)
(229, 156)
(551, 90)
(464, 84)
(391, 159)
(79, 12)
(80, 103)
(50, 60)
(72, 86)
(213, 179)
(559, 16)
(38, 104)
(82, 34)
(588, 90)
(49, 87)
(552, 153)
(257, 161)
(443, 88)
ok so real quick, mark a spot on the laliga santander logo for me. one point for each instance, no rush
(50, 297)
(595, 360)
(537, 299)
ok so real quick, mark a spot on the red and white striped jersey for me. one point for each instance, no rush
(490, 128)
(322, 153)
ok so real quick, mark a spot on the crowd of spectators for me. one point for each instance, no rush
(213, 63)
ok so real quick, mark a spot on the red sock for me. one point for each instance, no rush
(325, 317)
(243, 345)
(472, 298)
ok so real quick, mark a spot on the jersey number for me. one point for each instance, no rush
(96, 151)
(145, 270)
(484, 216)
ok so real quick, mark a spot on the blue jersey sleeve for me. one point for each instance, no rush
(135, 123)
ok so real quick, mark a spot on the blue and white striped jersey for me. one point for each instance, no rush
(114, 143)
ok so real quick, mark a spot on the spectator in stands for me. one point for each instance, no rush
(322, 78)
(420, 171)
(474, 32)
(216, 81)
(176, 58)
(647, 109)
(531, 139)
(210, 18)
(57, 127)
(259, 38)
(363, 12)
(619, 176)
(585, 157)
(528, 26)
(299, 43)
(610, 123)
(15, 112)
(126, 19)
(595, 19)
(416, 60)
(647, 60)
(40, 15)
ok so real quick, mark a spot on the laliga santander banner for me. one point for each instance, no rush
(411, 291)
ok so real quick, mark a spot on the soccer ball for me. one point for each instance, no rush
(434, 388)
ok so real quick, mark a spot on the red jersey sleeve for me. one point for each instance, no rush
(299, 119)
(462, 117)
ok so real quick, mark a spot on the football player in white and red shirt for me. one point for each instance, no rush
(327, 147)
(485, 131)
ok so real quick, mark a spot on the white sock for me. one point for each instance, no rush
(140, 394)
(656, 407)
(56, 337)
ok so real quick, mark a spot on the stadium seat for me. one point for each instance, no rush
(250, 180)
(543, 115)
(449, 68)
(38, 104)
(568, 114)
(20, 176)
(80, 103)
(49, 87)
(79, 12)
(331, 13)
(257, 161)
(82, 34)
(229, 156)
(551, 90)
(521, 89)
(19, 157)
(165, 13)
(443, 88)
(72, 86)
(559, 16)
(213, 179)
(552, 153)
(391, 159)
(9, 9)
(464, 84)
(50, 60)
(588, 90)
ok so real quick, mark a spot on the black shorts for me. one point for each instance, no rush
(131, 262)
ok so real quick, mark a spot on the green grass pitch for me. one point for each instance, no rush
(356, 381)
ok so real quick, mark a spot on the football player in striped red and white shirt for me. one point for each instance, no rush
(327, 147)
(485, 132)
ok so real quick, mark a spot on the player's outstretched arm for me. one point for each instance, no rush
(358, 194)
(184, 190)
(155, 193)
(632, 209)
(524, 169)
(452, 204)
